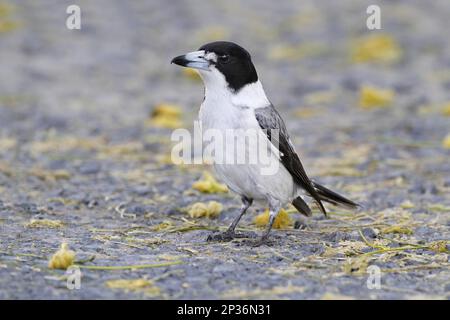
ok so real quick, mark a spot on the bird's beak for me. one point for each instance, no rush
(194, 60)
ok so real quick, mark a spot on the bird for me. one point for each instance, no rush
(234, 99)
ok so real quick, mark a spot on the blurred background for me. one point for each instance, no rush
(117, 65)
(86, 115)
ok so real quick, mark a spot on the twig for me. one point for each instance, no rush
(83, 261)
(369, 243)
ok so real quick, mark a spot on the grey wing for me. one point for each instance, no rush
(269, 119)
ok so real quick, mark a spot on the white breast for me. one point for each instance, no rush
(223, 110)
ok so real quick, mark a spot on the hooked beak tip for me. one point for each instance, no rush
(193, 60)
(180, 60)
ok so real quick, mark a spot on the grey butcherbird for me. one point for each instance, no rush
(235, 99)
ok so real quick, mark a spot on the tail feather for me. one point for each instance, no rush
(324, 194)
(332, 197)
(301, 206)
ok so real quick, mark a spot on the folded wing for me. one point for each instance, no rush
(269, 120)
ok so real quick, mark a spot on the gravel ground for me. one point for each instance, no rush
(81, 162)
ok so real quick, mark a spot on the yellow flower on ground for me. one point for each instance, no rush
(128, 284)
(212, 209)
(141, 285)
(62, 259)
(44, 223)
(380, 48)
(282, 221)
(440, 246)
(6, 22)
(397, 229)
(407, 204)
(446, 109)
(446, 142)
(166, 116)
(209, 184)
(371, 97)
(335, 296)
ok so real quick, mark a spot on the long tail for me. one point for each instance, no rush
(332, 197)
(327, 195)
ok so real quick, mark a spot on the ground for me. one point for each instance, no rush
(83, 162)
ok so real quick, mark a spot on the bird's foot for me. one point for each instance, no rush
(221, 236)
(261, 241)
(229, 235)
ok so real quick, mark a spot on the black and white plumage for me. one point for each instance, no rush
(235, 99)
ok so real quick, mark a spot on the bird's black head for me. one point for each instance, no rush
(234, 62)
(230, 59)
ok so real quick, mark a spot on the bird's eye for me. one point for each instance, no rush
(224, 58)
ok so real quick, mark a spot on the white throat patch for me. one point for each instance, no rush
(251, 95)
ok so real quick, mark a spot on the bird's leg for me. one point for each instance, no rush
(230, 234)
(273, 212)
(246, 203)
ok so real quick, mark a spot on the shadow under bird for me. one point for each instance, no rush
(235, 99)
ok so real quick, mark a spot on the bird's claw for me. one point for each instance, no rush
(260, 242)
(221, 236)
